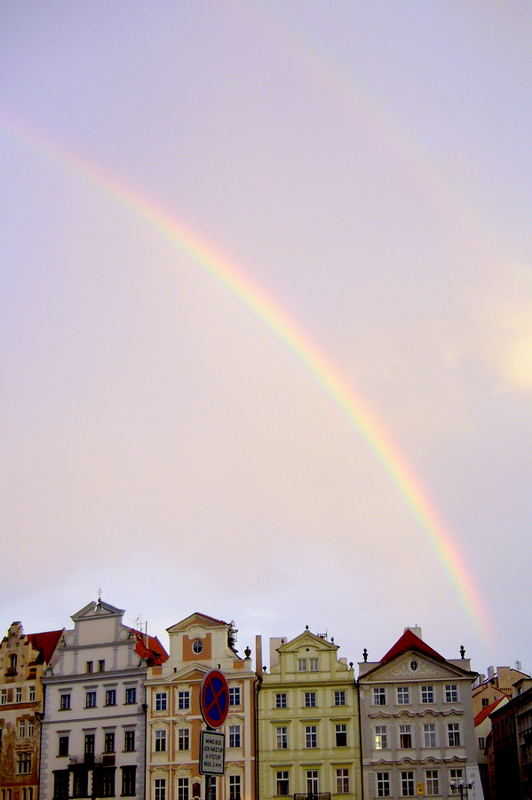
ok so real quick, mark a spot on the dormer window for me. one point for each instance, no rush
(13, 661)
(197, 646)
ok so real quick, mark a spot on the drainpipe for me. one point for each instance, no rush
(357, 689)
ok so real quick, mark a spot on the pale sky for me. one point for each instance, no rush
(367, 166)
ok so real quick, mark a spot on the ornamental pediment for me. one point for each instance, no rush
(413, 667)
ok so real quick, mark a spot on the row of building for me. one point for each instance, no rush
(103, 711)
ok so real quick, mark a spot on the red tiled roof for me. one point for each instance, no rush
(153, 651)
(486, 711)
(45, 643)
(409, 641)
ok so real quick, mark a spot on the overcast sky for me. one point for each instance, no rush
(367, 165)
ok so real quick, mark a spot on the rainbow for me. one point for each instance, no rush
(297, 340)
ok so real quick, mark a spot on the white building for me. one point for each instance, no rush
(417, 723)
(94, 727)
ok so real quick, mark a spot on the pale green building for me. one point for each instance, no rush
(308, 731)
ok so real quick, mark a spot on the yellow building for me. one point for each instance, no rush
(198, 644)
(308, 731)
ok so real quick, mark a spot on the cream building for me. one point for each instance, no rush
(308, 733)
(198, 644)
(417, 723)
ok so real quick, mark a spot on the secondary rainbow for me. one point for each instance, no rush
(299, 341)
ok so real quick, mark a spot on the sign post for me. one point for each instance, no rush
(214, 704)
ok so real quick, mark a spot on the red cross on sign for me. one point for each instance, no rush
(214, 698)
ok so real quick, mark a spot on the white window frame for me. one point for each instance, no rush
(235, 787)
(234, 736)
(403, 695)
(454, 738)
(311, 737)
(450, 694)
(407, 781)
(183, 739)
(382, 784)
(234, 695)
(427, 694)
(432, 782)
(161, 701)
(406, 730)
(339, 697)
(281, 700)
(309, 699)
(429, 735)
(342, 780)
(183, 700)
(314, 664)
(379, 696)
(281, 737)
(159, 740)
(380, 738)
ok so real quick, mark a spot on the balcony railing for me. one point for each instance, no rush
(313, 796)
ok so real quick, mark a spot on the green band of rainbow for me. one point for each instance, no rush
(263, 306)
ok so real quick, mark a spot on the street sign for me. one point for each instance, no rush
(214, 698)
(212, 753)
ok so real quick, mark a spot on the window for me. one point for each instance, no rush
(310, 699)
(405, 736)
(342, 781)
(451, 693)
(456, 777)
(234, 696)
(80, 783)
(427, 694)
(101, 665)
(90, 739)
(429, 734)
(160, 741)
(21, 729)
(403, 695)
(234, 787)
(234, 735)
(131, 695)
(485, 702)
(432, 783)
(3, 697)
(381, 737)
(129, 741)
(89, 666)
(64, 702)
(182, 789)
(129, 780)
(281, 738)
(453, 734)
(341, 735)
(197, 646)
(61, 779)
(109, 742)
(339, 698)
(183, 739)
(90, 699)
(481, 743)
(280, 700)
(13, 662)
(301, 664)
(62, 746)
(383, 784)
(313, 664)
(23, 763)
(407, 784)
(282, 783)
(183, 700)
(313, 781)
(379, 696)
(30, 729)
(160, 701)
(18, 694)
(311, 736)
(110, 697)
(31, 694)
(160, 789)
(108, 782)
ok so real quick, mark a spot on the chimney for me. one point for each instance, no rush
(258, 655)
(417, 631)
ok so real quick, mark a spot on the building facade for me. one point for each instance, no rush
(417, 723)
(93, 731)
(22, 661)
(198, 644)
(510, 753)
(308, 732)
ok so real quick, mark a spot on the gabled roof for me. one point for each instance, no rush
(97, 608)
(409, 641)
(149, 648)
(45, 643)
(199, 618)
(486, 711)
(308, 637)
